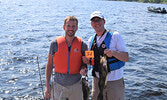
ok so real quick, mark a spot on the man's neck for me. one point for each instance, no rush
(101, 32)
(69, 40)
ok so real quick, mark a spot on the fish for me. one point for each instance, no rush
(103, 76)
(85, 89)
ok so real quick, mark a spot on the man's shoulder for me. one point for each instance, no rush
(113, 31)
(90, 38)
(54, 41)
(57, 39)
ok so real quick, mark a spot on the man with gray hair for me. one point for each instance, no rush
(108, 43)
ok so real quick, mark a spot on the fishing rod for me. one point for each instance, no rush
(53, 78)
(40, 77)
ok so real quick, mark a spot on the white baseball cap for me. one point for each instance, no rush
(96, 14)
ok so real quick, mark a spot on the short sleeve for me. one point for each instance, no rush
(53, 47)
(84, 47)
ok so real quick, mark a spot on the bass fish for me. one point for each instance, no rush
(85, 89)
(103, 71)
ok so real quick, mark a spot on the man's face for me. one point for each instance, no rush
(97, 23)
(70, 28)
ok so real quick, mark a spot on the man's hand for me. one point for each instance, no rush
(47, 92)
(85, 60)
(84, 71)
(108, 52)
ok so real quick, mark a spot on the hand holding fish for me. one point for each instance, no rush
(84, 71)
(109, 52)
(85, 60)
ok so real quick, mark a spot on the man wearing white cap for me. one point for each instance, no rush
(111, 44)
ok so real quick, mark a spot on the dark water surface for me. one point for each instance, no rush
(28, 26)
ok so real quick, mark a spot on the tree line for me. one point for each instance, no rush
(147, 1)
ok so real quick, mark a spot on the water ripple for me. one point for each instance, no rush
(28, 27)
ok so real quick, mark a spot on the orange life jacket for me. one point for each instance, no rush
(68, 62)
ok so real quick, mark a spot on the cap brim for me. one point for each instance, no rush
(96, 17)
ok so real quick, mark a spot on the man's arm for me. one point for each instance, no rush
(120, 51)
(84, 68)
(122, 56)
(48, 73)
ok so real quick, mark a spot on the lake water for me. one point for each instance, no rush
(27, 28)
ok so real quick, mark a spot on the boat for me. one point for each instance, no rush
(157, 10)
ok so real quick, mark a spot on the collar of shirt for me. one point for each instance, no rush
(100, 39)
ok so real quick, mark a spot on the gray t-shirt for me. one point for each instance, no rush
(66, 79)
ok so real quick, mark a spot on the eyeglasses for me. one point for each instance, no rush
(97, 20)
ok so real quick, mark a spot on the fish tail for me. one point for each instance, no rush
(100, 96)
